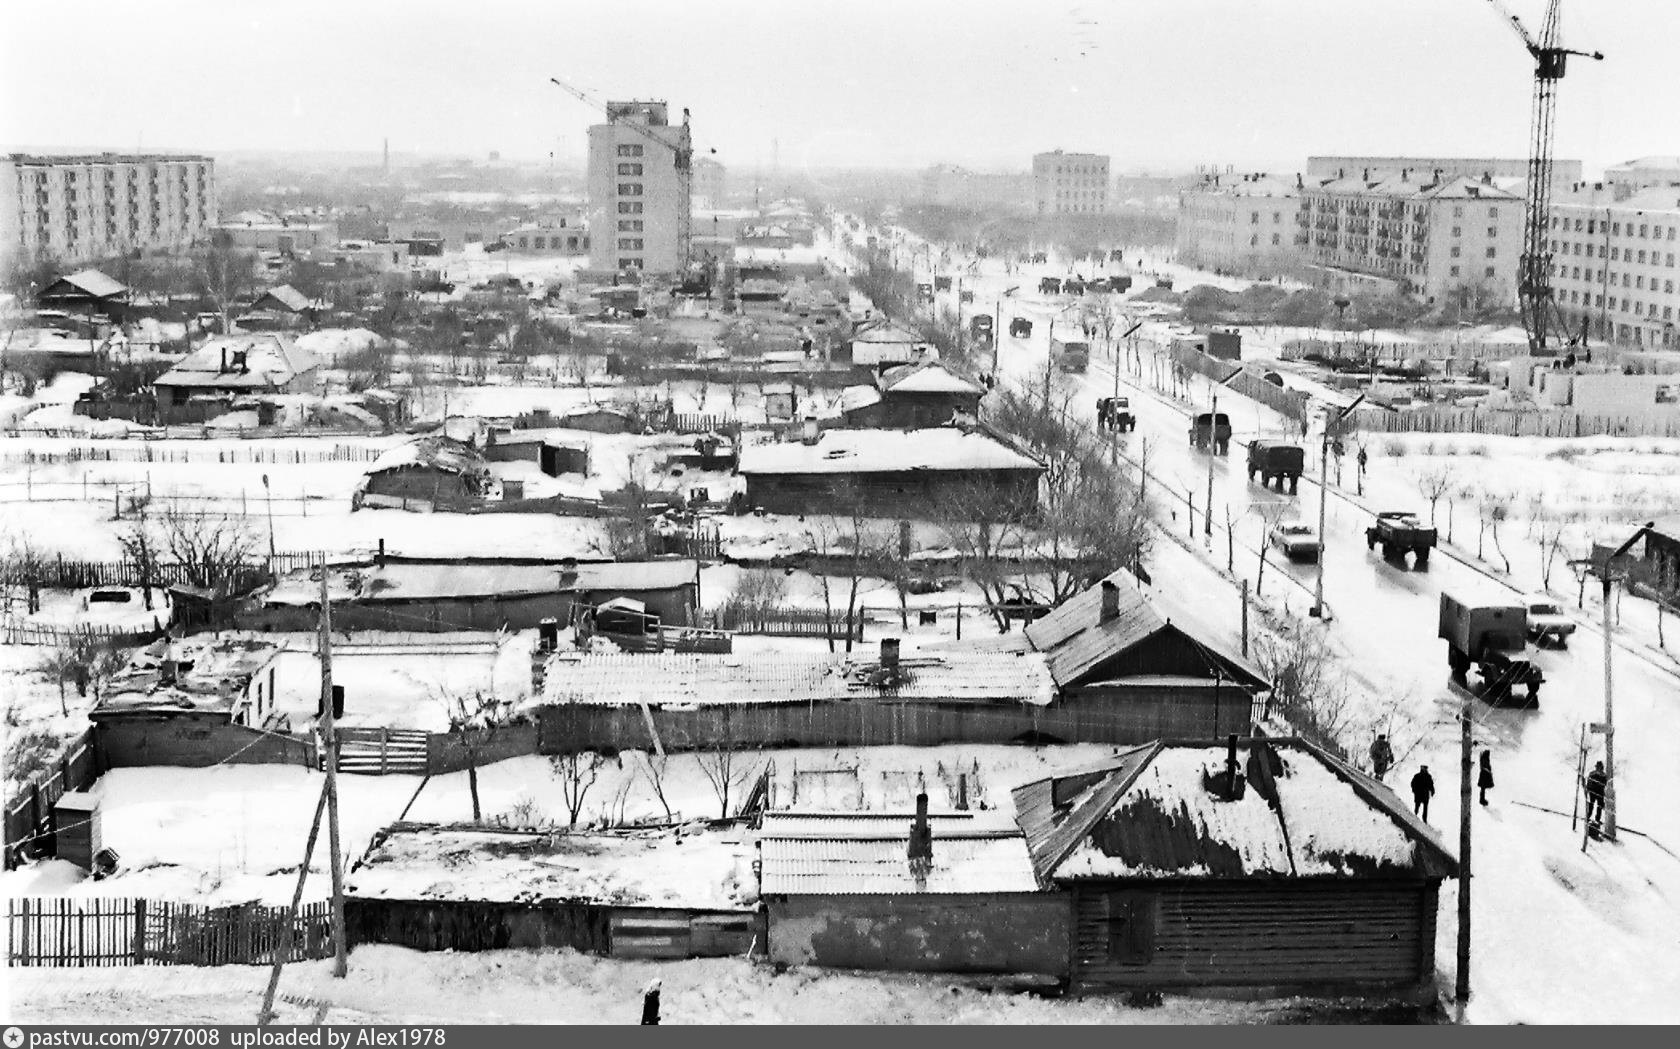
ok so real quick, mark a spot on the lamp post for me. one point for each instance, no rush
(268, 497)
(1317, 610)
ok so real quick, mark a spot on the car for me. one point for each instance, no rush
(1547, 623)
(1297, 541)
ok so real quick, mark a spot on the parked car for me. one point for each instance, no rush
(1547, 623)
(1297, 541)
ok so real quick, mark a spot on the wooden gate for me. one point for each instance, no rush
(98, 931)
(381, 751)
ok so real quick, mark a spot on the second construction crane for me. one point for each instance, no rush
(1542, 319)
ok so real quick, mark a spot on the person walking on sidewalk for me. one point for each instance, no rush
(1423, 788)
(1382, 757)
(1484, 778)
(1597, 781)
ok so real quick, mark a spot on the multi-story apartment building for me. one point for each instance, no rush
(1456, 236)
(1613, 262)
(1070, 183)
(72, 209)
(639, 199)
(1243, 224)
(1646, 171)
(1422, 169)
(951, 186)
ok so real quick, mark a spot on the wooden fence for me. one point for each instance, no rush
(93, 931)
(1519, 423)
(15, 632)
(29, 815)
(62, 574)
(148, 453)
(1288, 403)
(790, 622)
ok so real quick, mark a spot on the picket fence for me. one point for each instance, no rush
(147, 453)
(1519, 424)
(104, 931)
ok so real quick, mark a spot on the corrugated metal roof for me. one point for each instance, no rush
(1079, 643)
(989, 823)
(876, 867)
(1151, 814)
(669, 679)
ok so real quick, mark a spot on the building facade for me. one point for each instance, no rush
(1244, 224)
(1451, 237)
(639, 190)
(1645, 171)
(1613, 262)
(73, 209)
(951, 186)
(1070, 183)
(1422, 169)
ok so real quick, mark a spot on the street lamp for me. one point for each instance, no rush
(268, 497)
(1317, 611)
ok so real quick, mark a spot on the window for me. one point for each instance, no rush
(1642, 227)
(1493, 213)
(1492, 252)
(629, 189)
(539, 243)
(629, 264)
(1130, 921)
(1489, 271)
(1493, 231)
(629, 169)
(1277, 239)
(1458, 211)
(629, 244)
(629, 207)
(1458, 231)
(524, 242)
(1641, 255)
(1615, 254)
(630, 225)
(630, 151)
(1453, 271)
(1455, 251)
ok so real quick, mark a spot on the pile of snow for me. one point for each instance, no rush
(331, 344)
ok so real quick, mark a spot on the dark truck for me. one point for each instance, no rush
(1209, 429)
(1020, 328)
(1070, 355)
(1492, 635)
(1115, 413)
(1399, 532)
(1276, 460)
(980, 327)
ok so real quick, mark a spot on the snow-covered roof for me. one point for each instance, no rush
(684, 867)
(88, 282)
(856, 398)
(270, 360)
(211, 675)
(874, 860)
(403, 580)
(886, 451)
(1150, 813)
(677, 679)
(880, 330)
(289, 298)
(437, 453)
(927, 377)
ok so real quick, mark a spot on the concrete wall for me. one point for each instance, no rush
(982, 933)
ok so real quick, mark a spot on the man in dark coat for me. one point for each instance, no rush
(1484, 778)
(650, 1004)
(1423, 788)
(1597, 781)
(1382, 757)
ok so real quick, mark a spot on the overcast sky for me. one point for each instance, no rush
(1156, 84)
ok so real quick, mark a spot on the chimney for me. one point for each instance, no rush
(1110, 601)
(810, 434)
(224, 360)
(379, 558)
(1366, 175)
(921, 835)
(889, 653)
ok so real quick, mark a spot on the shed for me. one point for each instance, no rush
(76, 831)
(85, 292)
(1256, 868)
(880, 341)
(844, 890)
(432, 472)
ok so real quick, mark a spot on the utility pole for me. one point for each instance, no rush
(1213, 449)
(1317, 609)
(1461, 987)
(329, 741)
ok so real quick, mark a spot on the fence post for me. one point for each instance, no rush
(140, 931)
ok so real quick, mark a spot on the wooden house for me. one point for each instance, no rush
(87, 293)
(209, 379)
(911, 396)
(878, 341)
(427, 473)
(1258, 868)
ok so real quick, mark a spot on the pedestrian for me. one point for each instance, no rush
(1597, 781)
(1382, 756)
(1484, 778)
(1423, 788)
(650, 1004)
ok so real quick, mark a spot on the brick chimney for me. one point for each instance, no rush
(1110, 601)
(921, 835)
(889, 653)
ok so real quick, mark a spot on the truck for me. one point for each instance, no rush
(980, 327)
(1115, 413)
(942, 283)
(1210, 430)
(1275, 460)
(1070, 355)
(1491, 634)
(1399, 532)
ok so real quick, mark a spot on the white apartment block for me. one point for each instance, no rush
(1613, 262)
(1423, 169)
(1070, 183)
(1646, 171)
(639, 200)
(1243, 224)
(1458, 236)
(73, 209)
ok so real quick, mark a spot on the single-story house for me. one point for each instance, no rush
(879, 342)
(1257, 868)
(264, 231)
(683, 892)
(428, 472)
(1147, 663)
(231, 679)
(205, 381)
(851, 890)
(85, 292)
(282, 307)
(910, 396)
(414, 594)
(894, 472)
(554, 455)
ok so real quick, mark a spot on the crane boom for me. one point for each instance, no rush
(1542, 319)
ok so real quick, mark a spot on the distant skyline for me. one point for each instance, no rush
(1156, 84)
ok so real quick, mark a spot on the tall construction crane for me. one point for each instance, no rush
(1541, 317)
(682, 150)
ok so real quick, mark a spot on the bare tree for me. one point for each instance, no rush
(1270, 514)
(653, 770)
(853, 544)
(139, 547)
(577, 771)
(1551, 545)
(474, 720)
(1433, 484)
(1308, 689)
(627, 528)
(60, 663)
(1498, 512)
(728, 770)
(212, 550)
(988, 544)
(224, 274)
(758, 591)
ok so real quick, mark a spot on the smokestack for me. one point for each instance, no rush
(1110, 601)
(889, 653)
(920, 851)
